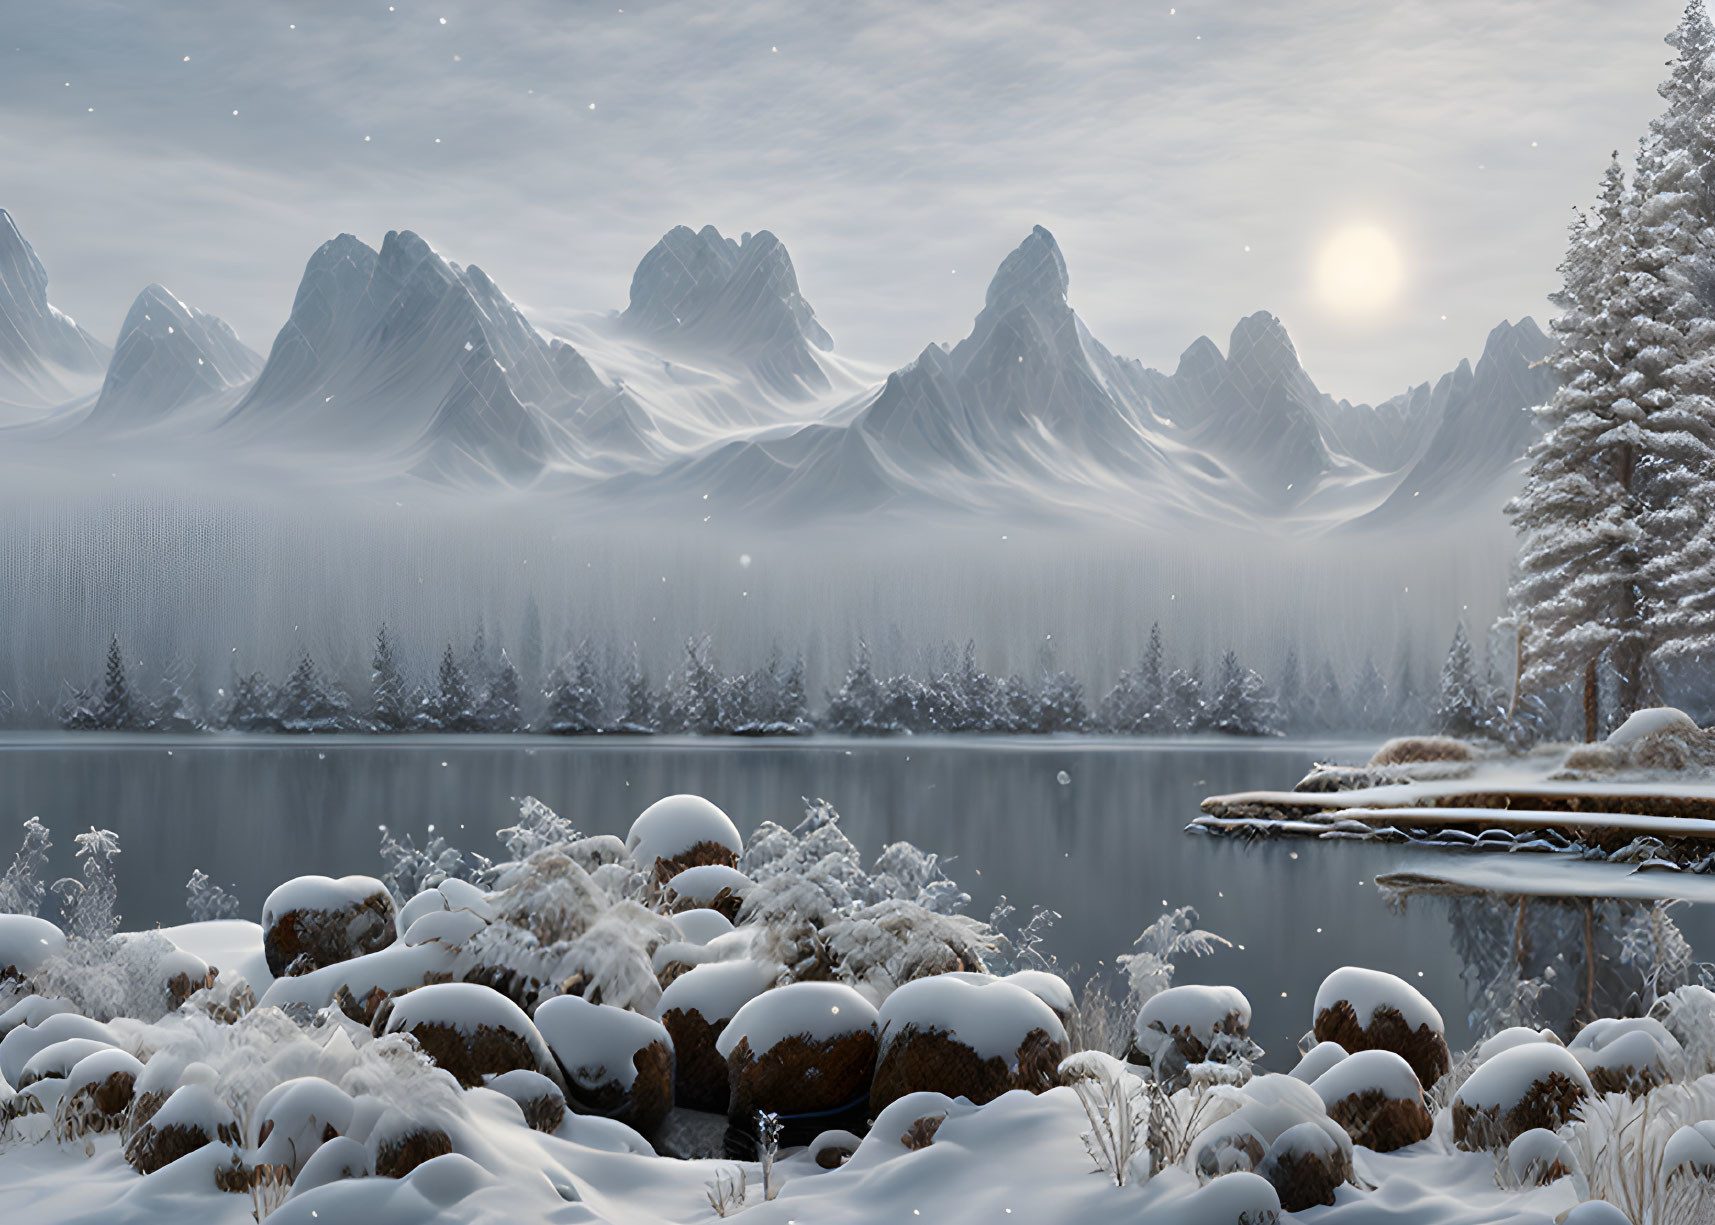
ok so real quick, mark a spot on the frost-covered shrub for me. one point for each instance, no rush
(1021, 950)
(1172, 936)
(89, 904)
(539, 827)
(409, 870)
(1632, 1153)
(22, 889)
(894, 942)
(137, 974)
(207, 901)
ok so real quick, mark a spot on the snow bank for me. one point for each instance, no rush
(232, 946)
(817, 1012)
(26, 942)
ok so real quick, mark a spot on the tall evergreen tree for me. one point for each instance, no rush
(306, 704)
(452, 705)
(1294, 711)
(576, 703)
(500, 710)
(640, 717)
(1370, 698)
(389, 704)
(1242, 705)
(118, 710)
(857, 707)
(1460, 711)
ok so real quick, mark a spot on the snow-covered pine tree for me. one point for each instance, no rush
(576, 702)
(856, 709)
(1369, 698)
(1183, 709)
(1294, 709)
(1332, 712)
(1242, 705)
(792, 709)
(1460, 710)
(118, 709)
(250, 704)
(307, 703)
(452, 705)
(699, 691)
(500, 710)
(389, 704)
(1576, 593)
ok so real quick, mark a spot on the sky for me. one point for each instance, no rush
(1195, 158)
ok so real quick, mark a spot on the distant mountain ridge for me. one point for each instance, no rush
(717, 390)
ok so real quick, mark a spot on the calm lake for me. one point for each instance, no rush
(1091, 828)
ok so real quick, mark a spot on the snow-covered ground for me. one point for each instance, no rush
(356, 1088)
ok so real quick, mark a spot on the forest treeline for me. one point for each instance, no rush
(600, 691)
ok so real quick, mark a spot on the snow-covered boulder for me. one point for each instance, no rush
(805, 1049)
(1516, 1035)
(361, 986)
(701, 926)
(20, 1046)
(25, 943)
(1051, 989)
(1651, 721)
(1629, 1055)
(99, 1090)
(965, 1039)
(1538, 1157)
(1533, 1085)
(315, 921)
(679, 832)
(695, 1009)
(832, 1149)
(472, 1031)
(1185, 1025)
(191, 1118)
(541, 1100)
(709, 886)
(56, 1060)
(1317, 1060)
(1260, 1132)
(1367, 1010)
(1377, 1098)
(398, 1143)
(296, 1117)
(1305, 1164)
(617, 1063)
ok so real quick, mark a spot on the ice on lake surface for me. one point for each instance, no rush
(1109, 853)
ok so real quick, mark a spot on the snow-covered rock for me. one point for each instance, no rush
(617, 1063)
(1516, 1035)
(315, 921)
(695, 1009)
(542, 1102)
(1370, 1010)
(1538, 1157)
(99, 1090)
(713, 886)
(803, 1049)
(1317, 1060)
(25, 943)
(362, 985)
(1651, 721)
(1260, 1132)
(1185, 1025)
(1628, 1055)
(190, 1119)
(296, 1117)
(679, 832)
(1533, 1085)
(472, 1031)
(965, 1039)
(1305, 1165)
(1377, 1098)
(21, 1045)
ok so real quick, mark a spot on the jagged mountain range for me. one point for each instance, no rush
(716, 390)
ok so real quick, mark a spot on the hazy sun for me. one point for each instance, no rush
(1358, 270)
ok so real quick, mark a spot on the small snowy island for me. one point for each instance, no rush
(685, 1025)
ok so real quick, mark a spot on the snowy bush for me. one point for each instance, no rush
(893, 942)
(21, 889)
(1117, 1105)
(207, 901)
(539, 827)
(88, 905)
(1172, 936)
(410, 870)
(1023, 950)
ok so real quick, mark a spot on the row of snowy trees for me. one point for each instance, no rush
(593, 691)
(1615, 577)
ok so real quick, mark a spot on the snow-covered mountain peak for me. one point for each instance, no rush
(169, 356)
(1033, 275)
(731, 299)
(45, 357)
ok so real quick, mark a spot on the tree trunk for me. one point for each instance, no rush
(1592, 705)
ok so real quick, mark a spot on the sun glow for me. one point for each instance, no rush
(1359, 271)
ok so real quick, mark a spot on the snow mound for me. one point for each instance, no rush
(675, 825)
(489, 1029)
(1650, 722)
(701, 926)
(993, 1018)
(1368, 1072)
(297, 1116)
(1517, 1035)
(1628, 1055)
(1691, 1148)
(318, 893)
(717, 990)
(451, 928)
(1373, 991)
(32, 1010)
(1232, 1198)
(702, 884)
(597, 1044)
(817, 1012)
(22, 1044)
(1317, 1060)
(26, 942)
(56, 1060)
(1539, 1156)
(1503, 1081)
